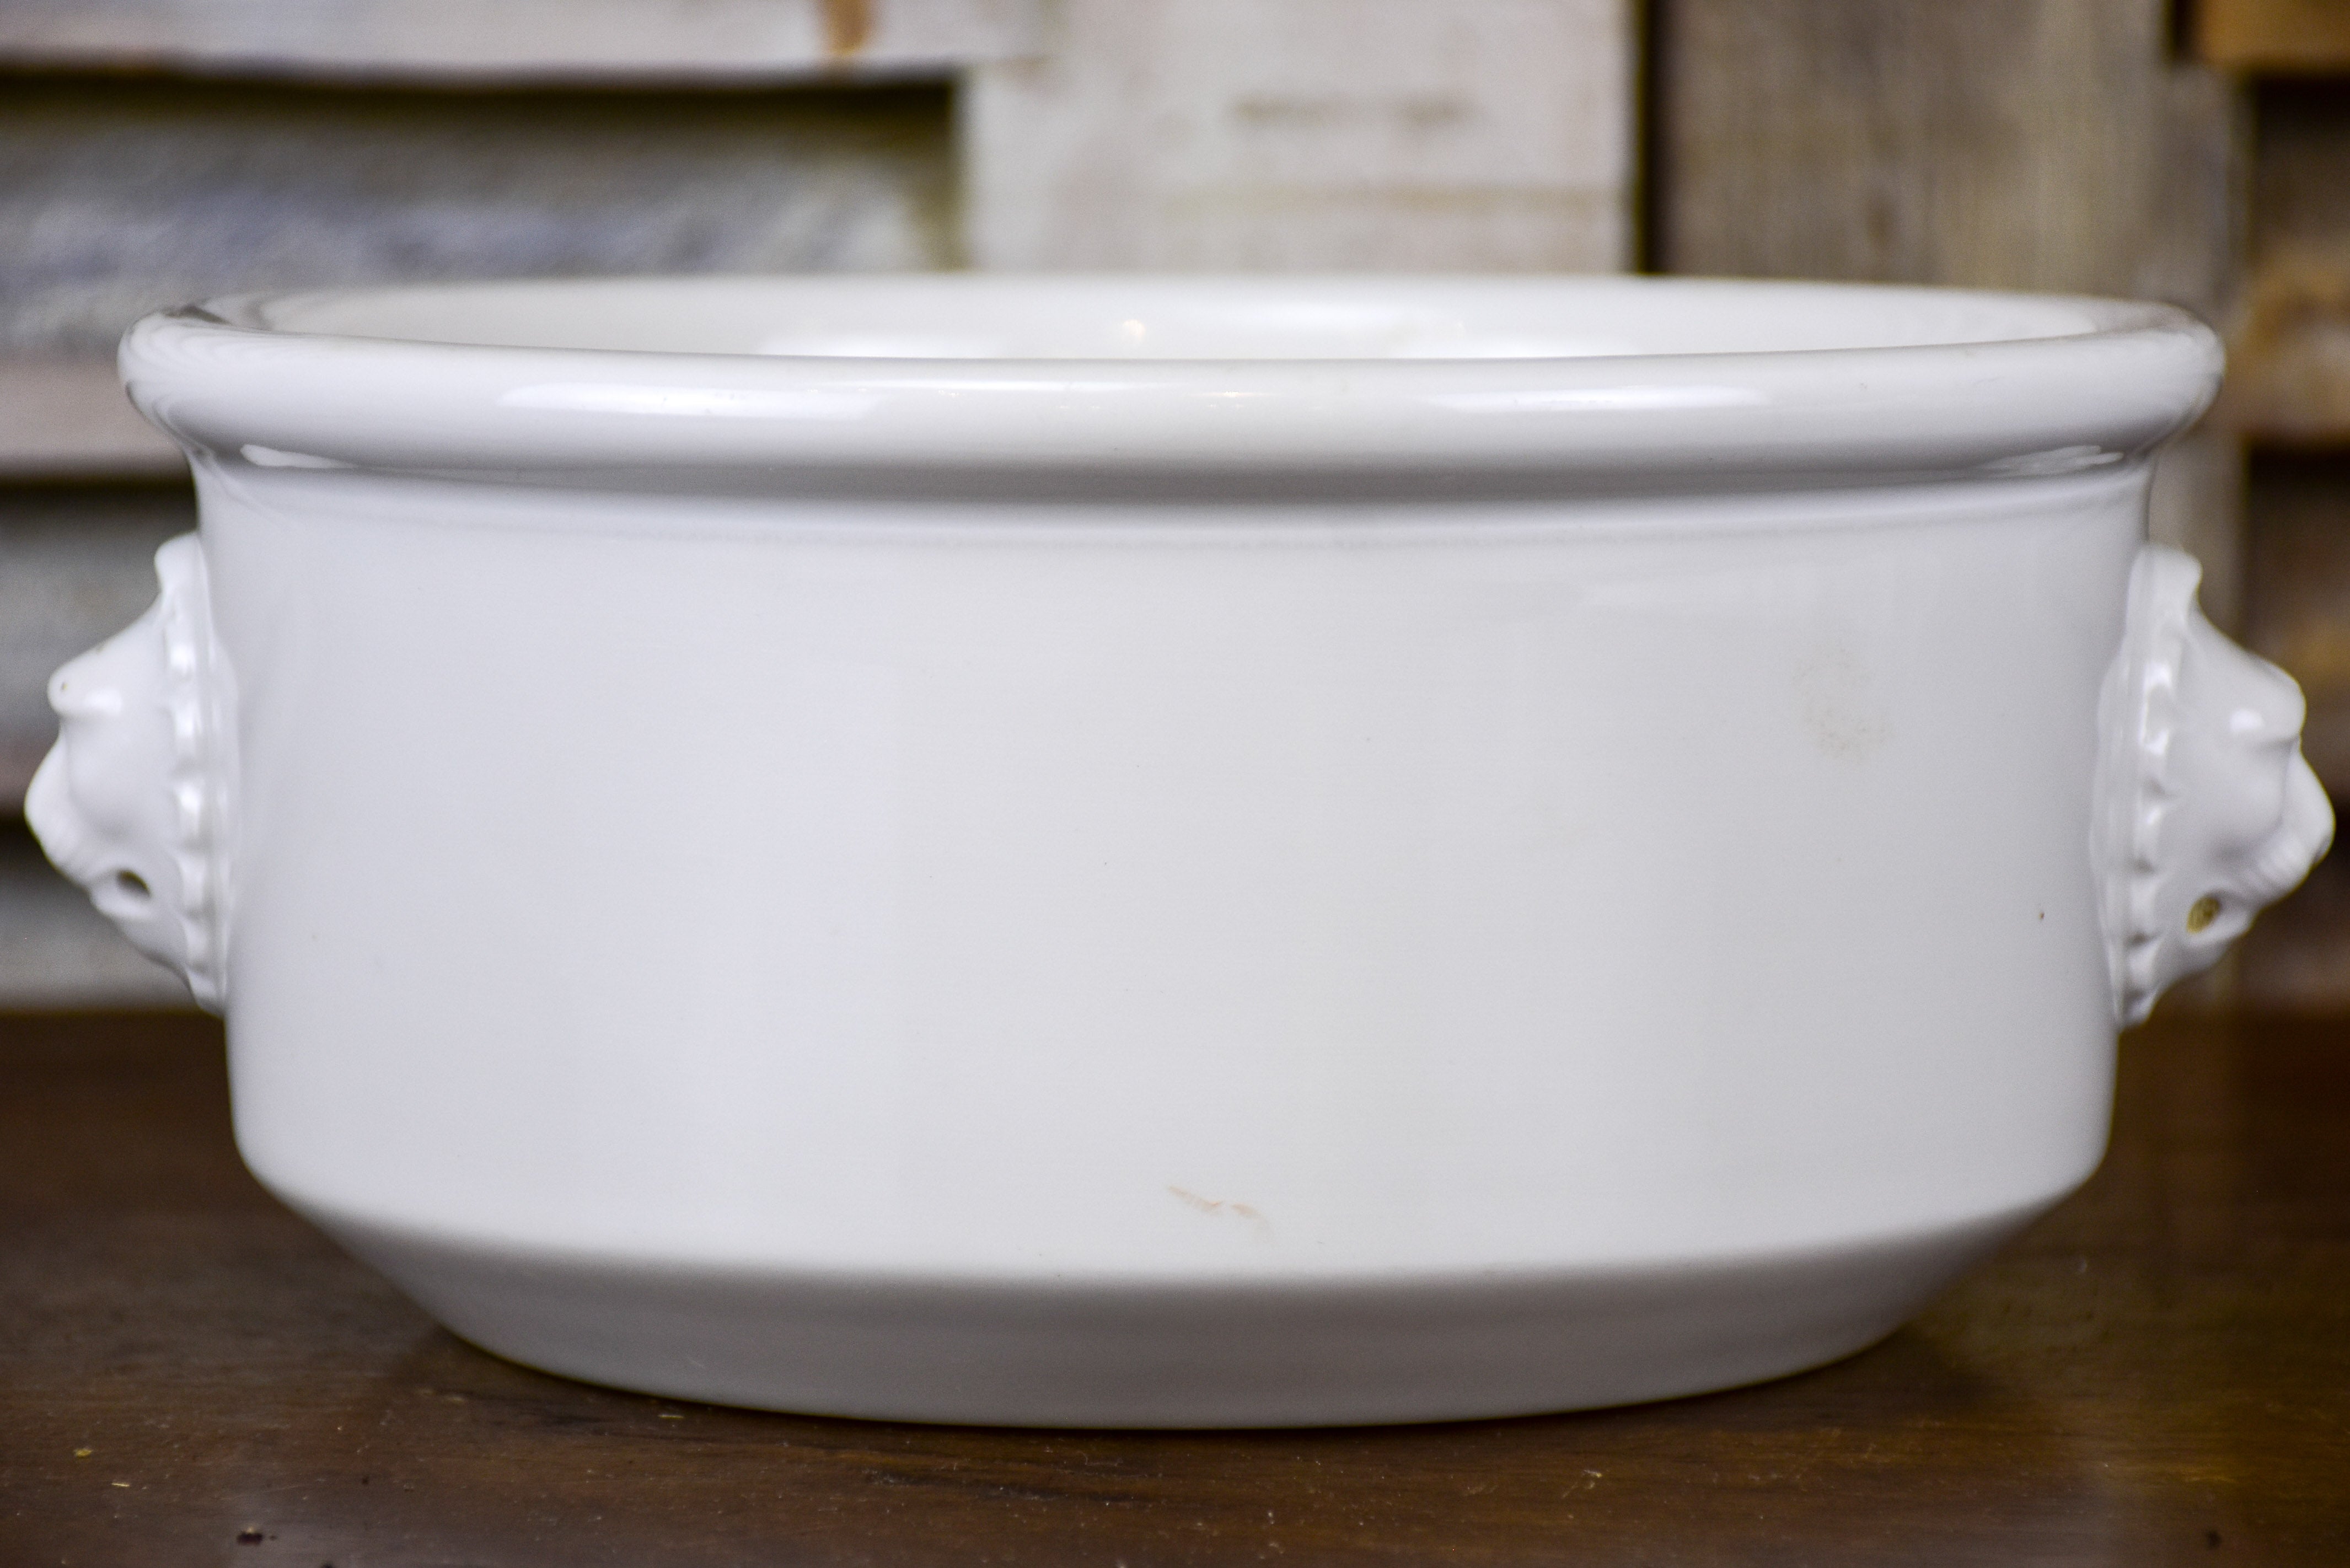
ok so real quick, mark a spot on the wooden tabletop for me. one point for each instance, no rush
(2159, 1373)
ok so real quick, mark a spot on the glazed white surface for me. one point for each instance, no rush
(1307, 386)
(1270, 322)
(1110, 892)
(1471, 871)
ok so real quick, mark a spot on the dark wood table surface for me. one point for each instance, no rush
(2159, 1373)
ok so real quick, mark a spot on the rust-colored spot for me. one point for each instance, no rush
(1204, 1204)
(848, 24)
(2203, 912)
(1248, 1212)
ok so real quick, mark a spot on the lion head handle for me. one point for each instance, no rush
(2207, 810)
(133, 801)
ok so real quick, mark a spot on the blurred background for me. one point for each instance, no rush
(155, 152)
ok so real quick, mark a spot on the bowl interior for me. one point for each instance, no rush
(964, 316)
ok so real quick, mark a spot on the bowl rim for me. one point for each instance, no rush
(236, 389)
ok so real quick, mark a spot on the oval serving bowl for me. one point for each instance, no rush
(1134, 851)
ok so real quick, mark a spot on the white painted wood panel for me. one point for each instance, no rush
(522, 40)
(1307, 134)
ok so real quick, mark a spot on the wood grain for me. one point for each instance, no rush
(2044, 144)
(2288, 356)
(2282, 37)
(535, 41)
(120, 196)
(2033, 144)
(1307, 135)
(2158, 1373)
(2289, 363)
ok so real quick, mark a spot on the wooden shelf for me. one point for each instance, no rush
(2154, 1375)
(523, 41)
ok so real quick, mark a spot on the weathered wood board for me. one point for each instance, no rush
(2032, 144)
(444, 41)
(2290, 355)
(119, 196)
(1482, 135)
(2285, 37)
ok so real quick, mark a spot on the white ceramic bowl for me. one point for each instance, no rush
(1139, 851)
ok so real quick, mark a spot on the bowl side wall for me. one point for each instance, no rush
(1154, 890)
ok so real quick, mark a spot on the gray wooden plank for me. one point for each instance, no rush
(2040, 144)
(522, 40)
(118, 197)
(1482, 135)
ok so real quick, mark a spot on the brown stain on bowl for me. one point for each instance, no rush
(1226, 1205)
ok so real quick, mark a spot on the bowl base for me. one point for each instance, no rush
(1140, 1355)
